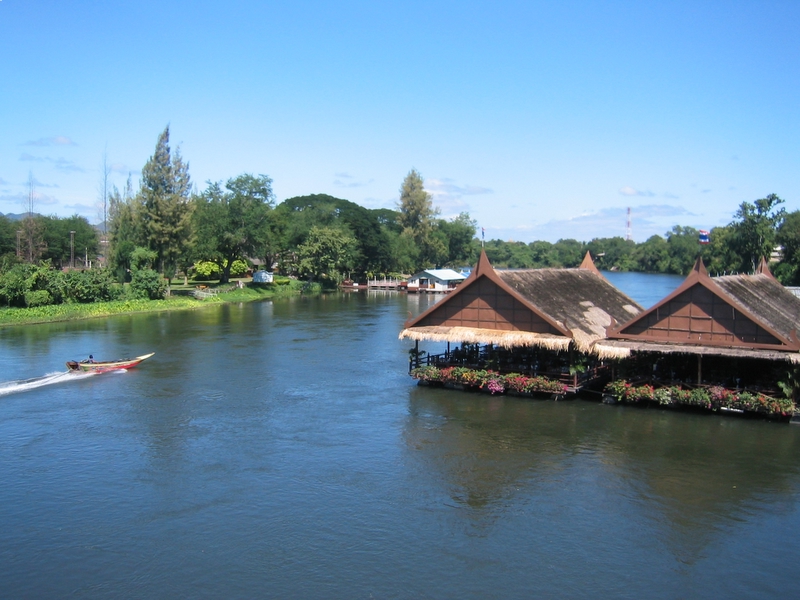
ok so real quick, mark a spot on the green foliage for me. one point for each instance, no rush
(146, 283)
(755, 229)
(233, 222)
(327, 252)
(164, 204)
(206, 270)
(93, 285)
(417, 220)
(38, 298)
(788, 237)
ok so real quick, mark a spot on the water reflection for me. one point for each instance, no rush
(691, 476)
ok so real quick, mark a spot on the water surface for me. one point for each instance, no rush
(281, 450)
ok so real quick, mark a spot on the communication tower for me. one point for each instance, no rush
(628, 230)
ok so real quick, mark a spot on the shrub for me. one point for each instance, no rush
(205, 270)
(38, 298)
(147, 284)
(95, 285)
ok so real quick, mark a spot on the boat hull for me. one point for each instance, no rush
(103, 366)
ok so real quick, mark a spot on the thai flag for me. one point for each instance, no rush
(483, 233)
(704, 237)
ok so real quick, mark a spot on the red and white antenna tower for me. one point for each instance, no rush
(628, 230)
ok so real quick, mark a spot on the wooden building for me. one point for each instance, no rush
(534, 321)
(737, 331)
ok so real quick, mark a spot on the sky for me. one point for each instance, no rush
(542, 120)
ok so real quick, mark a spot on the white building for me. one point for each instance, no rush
(435, 280)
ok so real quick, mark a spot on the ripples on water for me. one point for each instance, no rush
(280, 450)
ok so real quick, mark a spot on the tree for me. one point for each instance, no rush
(165, 201)
(788, 236)
(373, 252)
(653, 255)
(755, 229)
(232, 223)
(145, 281)
(614, 254)
(459, 233)
(416, 218)
(124, 229)
(327, 252)
(65, 237)
(32, 241)
(684, 247)
(568, 253)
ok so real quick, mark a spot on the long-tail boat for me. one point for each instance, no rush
(109, 365)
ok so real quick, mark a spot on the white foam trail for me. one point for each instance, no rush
(24, 385)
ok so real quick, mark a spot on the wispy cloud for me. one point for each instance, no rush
(448, 195)
(59, 140)
(60, 163)
(119, 168)
(3, 182)
(345, 180)
(440, 187)
(22, 199)
(38, 184)
(630, 191)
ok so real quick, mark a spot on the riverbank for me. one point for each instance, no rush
(180, 299)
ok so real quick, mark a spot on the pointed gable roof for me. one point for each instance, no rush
(736, 311)
(527, 307)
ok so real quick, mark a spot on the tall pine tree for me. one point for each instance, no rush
(164, 193)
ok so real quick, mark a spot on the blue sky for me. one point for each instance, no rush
(543, 120)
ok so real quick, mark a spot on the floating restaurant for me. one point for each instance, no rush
(537, 324)
(725, 343)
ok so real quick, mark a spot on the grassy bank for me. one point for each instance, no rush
(177, 301)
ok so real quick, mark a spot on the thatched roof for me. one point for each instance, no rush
(734, 315)
(615, 349)
(582, 300)
(527, 307)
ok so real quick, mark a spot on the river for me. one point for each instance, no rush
(280, 450)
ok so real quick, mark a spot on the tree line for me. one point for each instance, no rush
(759, 229)
(166, 228)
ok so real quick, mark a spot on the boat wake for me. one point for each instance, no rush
(24, 385)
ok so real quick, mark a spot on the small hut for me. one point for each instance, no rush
(537, 322)
(735, 331)
(435, 280)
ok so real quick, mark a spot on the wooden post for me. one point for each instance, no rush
(699, 369)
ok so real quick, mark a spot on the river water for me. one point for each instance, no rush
(280, 450)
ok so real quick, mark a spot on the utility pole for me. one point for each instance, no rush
(71, 249)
